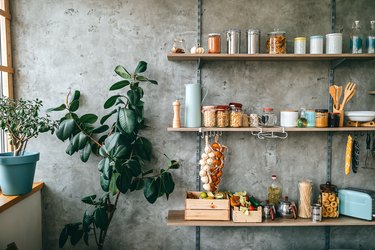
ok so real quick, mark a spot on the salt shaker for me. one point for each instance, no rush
(176, 116)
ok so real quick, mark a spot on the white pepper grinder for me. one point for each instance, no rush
(176, 116)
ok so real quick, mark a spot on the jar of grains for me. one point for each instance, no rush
(235, 115)
(209, 116)
(276, 42)
(222, 116)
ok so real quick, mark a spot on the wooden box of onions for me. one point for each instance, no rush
(207, 206)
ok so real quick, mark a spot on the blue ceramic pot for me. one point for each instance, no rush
(17, 172)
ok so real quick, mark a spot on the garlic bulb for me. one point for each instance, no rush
(204, 156)
(207, 149)
(207, 187)
(202, 162)
(206, 167)
(211, 155)
(199, 50)
(204, 179)
(202, 173)
(193, 50)
(209, 161)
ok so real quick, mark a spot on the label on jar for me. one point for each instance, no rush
(356, 45)
(370, 44)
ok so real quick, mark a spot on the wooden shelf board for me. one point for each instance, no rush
(8, 201)
(268, 57)
(176, 218)
(371, 92)
(273, 129)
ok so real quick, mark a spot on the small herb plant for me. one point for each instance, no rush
(123, 151)
(21, 120)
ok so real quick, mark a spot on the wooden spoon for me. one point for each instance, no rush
(338, 95)
(332, 92)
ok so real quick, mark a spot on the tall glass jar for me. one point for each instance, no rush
(178, 45)
(269, 118)
(209, 116)
(214, 43)
(276, 42)
(329, 200)
(235, 115)
(222, 116)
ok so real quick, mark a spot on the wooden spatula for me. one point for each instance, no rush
(332, 92)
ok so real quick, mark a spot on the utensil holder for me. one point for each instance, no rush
(341, 112)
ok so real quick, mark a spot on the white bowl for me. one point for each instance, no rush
(360, 116)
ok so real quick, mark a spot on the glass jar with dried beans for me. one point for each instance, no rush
(235, 115)
(222, 116)
(209, 116)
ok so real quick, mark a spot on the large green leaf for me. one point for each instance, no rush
(75, 97)
(111, 101)
(119, 85)
(104, 183)
(101, 218)
(65, 129)
(107, 171)
(74, 105)
(86, 222)
(124, 180)
(121, 71)
(76, 236)
(167, 183)
(79, 141)
(63, 237)
(141, 67)
(134, 167)
(86, 238)
(102, 163)
(59, 108)
(137, 184)
(150, 190)
(70, 150)
(88, 118)
(113, 185)
(143, 148)
(100, 129)
(134, 97)
(121, 151)
(105, 118)
(89, 199)
(112, 141)
(145, 79)
(85, 152)
(127, 120)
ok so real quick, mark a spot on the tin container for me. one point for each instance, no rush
(316, 44)
(233, 41)
(300, 45)
(253, 41)
(214, 43)
(334, 43)
(316, 212)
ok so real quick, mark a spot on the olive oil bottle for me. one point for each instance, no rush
(274, 191)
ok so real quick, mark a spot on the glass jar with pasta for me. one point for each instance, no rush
(276, 42)
(329, 200)
(235, 115)
(222, 116)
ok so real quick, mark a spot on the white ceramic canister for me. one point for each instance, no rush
(316, 44)
(334, 43)
(300, 45)
(288, 118)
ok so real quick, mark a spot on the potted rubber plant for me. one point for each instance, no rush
(123, 151)
(21, 120)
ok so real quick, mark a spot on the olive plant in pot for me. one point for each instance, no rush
(124, 154)
(22, 121)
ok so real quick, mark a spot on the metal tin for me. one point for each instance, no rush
(300, 45)
(253, 41)
(334, 43)
(316, 213)
(316, 44)
(233, 41)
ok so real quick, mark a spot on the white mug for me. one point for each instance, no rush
(288, 118)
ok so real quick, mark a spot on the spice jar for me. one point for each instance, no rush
(209, 116)
(269, 118)
(178, 45)
(329, 200)
(222, 116)
(235, 115)
(276, 42)
(214, 43)
(321, 118)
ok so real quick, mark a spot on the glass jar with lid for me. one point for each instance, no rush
(276, 42)
(235, 115)
(329, 200)
(321, 118)
(209, 116)
(214, 43)
(222, 116)
(178, 45)
(269, 118)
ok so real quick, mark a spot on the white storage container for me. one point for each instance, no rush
(334, 43)
(316, 44)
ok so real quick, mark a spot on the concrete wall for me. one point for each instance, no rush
(76, 44)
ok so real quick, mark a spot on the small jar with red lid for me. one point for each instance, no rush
(235, 115)
(209, 116)
(269, 118)
(222, 116)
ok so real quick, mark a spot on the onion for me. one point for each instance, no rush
(204, 179)
(207, 187)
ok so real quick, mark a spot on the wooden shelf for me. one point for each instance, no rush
(176, 218)
(268, 57)
(273, 129)
(371, 92)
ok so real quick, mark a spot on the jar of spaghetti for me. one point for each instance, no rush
(209, 116)
(214, 43)
(222, 116)
(276, 42)
(329, 200)
(235, 115)
(321, 118)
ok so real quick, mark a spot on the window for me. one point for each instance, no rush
(6, 68)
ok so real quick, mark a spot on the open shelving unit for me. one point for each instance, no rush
(176, 218)
(272, 129)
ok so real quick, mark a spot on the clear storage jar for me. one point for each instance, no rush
(222, 116)
(276, 42)
(178, 45)
(329, 200)
(214, 43)
(209, 116)
(269, 118)
(235, 115)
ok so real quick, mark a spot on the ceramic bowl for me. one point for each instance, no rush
(360, 116)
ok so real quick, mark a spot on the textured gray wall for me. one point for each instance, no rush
(76, 44)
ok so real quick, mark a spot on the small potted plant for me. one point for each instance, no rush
(20, 119)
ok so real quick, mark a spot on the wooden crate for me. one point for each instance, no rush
(254, 216)
(207, 209)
